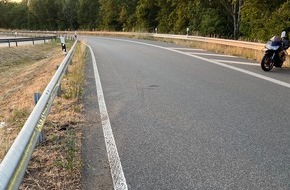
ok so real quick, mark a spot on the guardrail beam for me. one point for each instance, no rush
(17, 40)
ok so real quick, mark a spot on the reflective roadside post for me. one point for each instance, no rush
(63, 46)
(187, 31)
(15, 40)
(156, 30)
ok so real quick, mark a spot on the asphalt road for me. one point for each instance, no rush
(186, 119)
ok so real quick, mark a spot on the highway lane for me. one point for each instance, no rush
(184, 122)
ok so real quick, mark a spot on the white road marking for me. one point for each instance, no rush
(236, 62)
(275, 81)
(193, 49)
(117, 173)
(211, 54)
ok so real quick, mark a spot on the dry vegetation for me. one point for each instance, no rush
(56, 163)
(20, 76)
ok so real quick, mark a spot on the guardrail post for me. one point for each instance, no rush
(33, 41)
(41, 138)
(59, 90)
(58, 93)
(9, 42)
(16, 44)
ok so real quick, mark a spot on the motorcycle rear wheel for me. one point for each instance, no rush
(266, 63)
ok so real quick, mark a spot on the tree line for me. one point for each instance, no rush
(247, 19)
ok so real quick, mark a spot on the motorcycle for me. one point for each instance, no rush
(276, 52)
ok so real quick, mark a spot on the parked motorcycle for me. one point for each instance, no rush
(276, 52)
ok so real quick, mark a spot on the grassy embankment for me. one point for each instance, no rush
(56, 163)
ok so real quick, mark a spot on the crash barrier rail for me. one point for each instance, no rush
(33, 34)
(237, 43)
(220, 41)
(17, 40)
(14, 164)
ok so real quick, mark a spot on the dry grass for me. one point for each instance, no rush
(55, 164)
(19, 79)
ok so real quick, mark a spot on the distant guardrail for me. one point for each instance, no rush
(18, 40)
(228, 42)
(14, 164)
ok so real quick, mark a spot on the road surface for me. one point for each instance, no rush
(185, 118)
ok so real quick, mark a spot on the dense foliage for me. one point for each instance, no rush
(248, 19)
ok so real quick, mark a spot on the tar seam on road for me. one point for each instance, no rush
(117, 173)
(275, 81)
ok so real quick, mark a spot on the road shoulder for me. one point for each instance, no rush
(96, 171)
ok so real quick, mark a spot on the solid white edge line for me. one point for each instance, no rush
(275, 81)
(117, 173)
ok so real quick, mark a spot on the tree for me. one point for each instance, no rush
(280, 19)
(233, 8)
(37, 14)
(87, 12)
(163, 17)
(127, 17)
(212, 23)
(108, 15)
(19, 15)
(69, 13)
(146, 14)
(259, 18)
(179, 16)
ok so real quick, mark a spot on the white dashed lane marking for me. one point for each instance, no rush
(188, 49)
(211, 54)
(236, 62)
(202, 52)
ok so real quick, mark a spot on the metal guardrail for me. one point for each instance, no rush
(17, 40)
(237, 43)
(14, 164)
